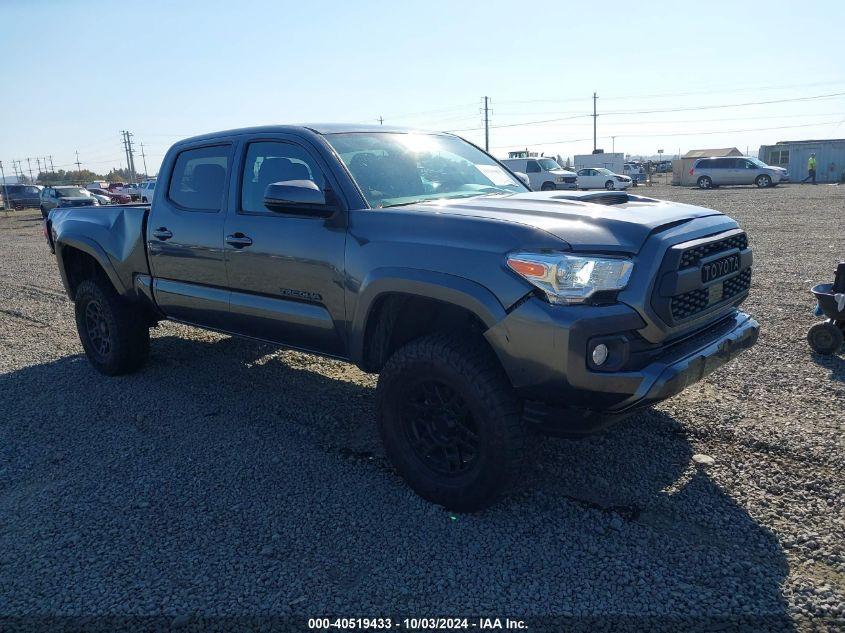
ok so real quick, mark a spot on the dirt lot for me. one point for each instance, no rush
(232, 480)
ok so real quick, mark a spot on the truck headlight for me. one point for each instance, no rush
(569, 278)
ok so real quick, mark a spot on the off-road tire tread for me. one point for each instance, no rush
(129, 331)
(471, 357)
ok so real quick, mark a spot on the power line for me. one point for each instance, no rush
(616, 112)
(728, 105)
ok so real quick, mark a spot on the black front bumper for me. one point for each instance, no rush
(544, 350)
(692, 360)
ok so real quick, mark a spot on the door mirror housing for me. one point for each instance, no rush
(301, 197)
(523, 178)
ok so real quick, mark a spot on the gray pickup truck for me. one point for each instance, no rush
(490, 312)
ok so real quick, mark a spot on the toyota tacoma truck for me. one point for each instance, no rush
(490, 312)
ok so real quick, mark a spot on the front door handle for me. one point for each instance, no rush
(238, 240)
(162, 233)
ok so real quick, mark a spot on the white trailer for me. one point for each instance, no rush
(614, 161)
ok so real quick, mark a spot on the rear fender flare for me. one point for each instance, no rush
(92, 248)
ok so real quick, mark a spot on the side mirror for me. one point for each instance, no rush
(524, 178)
(297, 196)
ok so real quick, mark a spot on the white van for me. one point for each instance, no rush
(543, 173)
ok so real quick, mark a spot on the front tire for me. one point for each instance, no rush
(115, 337)
(825, 338)
(763, 181)
(547, 186)
(705, 182)
(609, 185)
(450, 421)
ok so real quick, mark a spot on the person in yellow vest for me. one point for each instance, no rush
(811, 169)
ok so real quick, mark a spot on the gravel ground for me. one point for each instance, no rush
(229, 480)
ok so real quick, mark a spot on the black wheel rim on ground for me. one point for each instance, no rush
(98, 328)
(440, 427)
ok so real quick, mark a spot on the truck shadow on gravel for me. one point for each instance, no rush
(228, 478)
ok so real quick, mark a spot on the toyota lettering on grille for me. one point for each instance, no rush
(719, 268)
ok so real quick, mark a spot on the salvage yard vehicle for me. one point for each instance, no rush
(600, 178)
(66, 196)
(22, 196)
(715, 172)
(544, 174)
(490, 312)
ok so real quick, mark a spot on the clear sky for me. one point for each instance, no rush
(77, 72)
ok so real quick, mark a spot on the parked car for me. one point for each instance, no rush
(742, 170)
(97, 184)
(488, 310)
(146, 189)
(65, 196)
(544, 174)
(22, 196)
(635, 172)
(102, 199)
(115, 186)
(131, 190)
(599, 178)
(114, 197)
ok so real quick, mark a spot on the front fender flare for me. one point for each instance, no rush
(444, 287)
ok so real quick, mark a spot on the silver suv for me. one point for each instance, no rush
(712, 172)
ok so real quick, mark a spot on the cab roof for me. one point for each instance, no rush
(313, 128)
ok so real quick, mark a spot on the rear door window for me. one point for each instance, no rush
(198, 180)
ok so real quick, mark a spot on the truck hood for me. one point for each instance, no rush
(586, 221)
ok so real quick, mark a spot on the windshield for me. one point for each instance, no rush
(547, 164)
(72, 192)
(397, 168)
(757, 162)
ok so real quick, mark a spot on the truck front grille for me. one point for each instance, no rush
(692, 256)
(683, 295)
(690, 303)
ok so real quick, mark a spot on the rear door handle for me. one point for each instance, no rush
(162, 233)
(238, 240)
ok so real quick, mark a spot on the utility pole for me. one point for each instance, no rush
(595, 118)
(486, 124)
(29, 165)
(38, 162)
(381, 120)
(15, 169)
(613, 139)
(127, 146)
(52, 168)
(78, 166)
(5, 192)
(132, 175)
(144, 158)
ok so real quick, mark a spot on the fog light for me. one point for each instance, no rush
(599, 354)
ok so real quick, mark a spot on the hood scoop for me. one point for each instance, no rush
(603, 197)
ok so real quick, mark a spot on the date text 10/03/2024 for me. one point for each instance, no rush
(416, 624)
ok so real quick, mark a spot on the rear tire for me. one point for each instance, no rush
(763, 181)
(825, 338)
(450, 421)
(704, 182)
(116, 339)
(44, 213)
